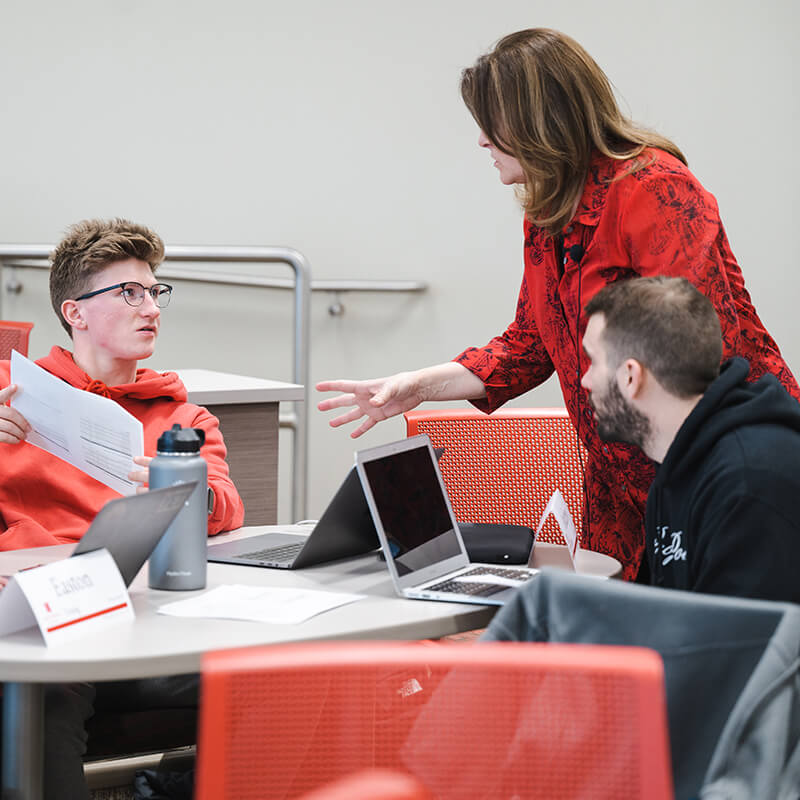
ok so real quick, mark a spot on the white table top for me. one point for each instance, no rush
(206, 387)
(156, 644)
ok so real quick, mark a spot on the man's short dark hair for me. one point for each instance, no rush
(667, 325)
(92, 245)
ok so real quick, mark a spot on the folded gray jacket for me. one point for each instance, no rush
(730, 669)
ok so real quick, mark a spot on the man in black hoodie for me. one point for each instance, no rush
(722, 513)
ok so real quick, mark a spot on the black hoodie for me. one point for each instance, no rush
(723, 513)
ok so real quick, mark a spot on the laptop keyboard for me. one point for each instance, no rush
(456, 586)
(285, 553)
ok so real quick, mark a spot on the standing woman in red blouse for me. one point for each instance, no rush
(604, 200)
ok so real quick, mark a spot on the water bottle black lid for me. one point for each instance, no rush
(181, 440)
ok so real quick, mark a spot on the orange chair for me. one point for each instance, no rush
(493, 720)
(14, 336)
(503, 467)
(372, 784)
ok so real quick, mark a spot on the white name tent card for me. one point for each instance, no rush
(89, 431)
(557, 506)
(66, 599)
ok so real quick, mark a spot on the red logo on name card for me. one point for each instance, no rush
(47, 608)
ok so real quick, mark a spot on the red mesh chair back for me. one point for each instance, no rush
(494, 720)
(372, 784)
(14, 336)
(504, 467)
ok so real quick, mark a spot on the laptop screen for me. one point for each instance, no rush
(410, 501)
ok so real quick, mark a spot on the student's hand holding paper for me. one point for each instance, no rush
(141, 476)
(13, 426)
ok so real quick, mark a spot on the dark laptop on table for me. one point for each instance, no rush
(418, 531)
(345, 529)
(131, 527)
(128, 527)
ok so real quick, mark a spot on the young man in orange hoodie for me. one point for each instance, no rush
(104, 290)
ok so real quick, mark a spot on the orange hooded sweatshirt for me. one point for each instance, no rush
(45, 501)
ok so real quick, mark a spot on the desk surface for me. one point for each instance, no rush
(207, 388)
(156, 644)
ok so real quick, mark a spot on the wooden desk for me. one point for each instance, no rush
(247, 409)
(154, 644)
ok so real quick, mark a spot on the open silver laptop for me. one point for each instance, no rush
(418, 531)
(344, 530)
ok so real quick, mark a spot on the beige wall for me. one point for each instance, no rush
(337, 129)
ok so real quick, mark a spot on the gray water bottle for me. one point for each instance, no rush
(179, 560)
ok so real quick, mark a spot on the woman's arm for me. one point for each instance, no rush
(513, 362)
(381, 398)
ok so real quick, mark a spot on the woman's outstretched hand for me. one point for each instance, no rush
(374, 400)
(380, 398)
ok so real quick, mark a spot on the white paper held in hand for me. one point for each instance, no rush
(91, 432)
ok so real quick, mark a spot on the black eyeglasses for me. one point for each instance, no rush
(133, 293)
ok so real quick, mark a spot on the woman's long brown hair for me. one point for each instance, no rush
(540, 97)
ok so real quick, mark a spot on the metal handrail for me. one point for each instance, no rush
(335, 285)
(34, 256)
(298, 422)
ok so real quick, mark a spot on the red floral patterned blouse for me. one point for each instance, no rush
(657, 221)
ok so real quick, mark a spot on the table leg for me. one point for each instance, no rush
(23, 741)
